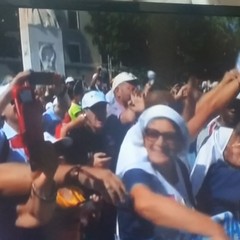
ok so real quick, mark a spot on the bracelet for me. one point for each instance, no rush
(72, 179)
(50, 198)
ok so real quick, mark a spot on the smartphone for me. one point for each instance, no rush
(42, 78)
(29, 119)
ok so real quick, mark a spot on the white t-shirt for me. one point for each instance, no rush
(114, 108)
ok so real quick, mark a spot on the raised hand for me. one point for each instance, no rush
(137, 102)
(182, 93)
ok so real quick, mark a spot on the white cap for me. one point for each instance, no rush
(121, 78)
(69, 79)
(93, 97)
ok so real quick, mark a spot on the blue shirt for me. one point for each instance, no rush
(14, 153)
(220, 190)
(50, 120)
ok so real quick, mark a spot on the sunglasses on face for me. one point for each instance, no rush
(153, 135)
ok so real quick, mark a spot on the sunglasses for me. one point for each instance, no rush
(153, 135)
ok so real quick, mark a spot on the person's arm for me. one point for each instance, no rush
(63, 104)
(163, 211)
(63, 99)
(10, 176)
(94, 80)
(16, 180)
(103, 181)
(6, 96)
(185, 95)
(135, 107)
(66, 127)
(39, 208)
(214, 101)
(41, 204)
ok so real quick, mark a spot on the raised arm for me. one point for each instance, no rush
(78, 122)
(211, 103)
(41, 203)
(136, 106)
(6, 95)
(63, 99)
(166, 212)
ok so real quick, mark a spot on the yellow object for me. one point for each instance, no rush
(70, 197)
(74, 110)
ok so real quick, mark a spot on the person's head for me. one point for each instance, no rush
(94, 105)
(70, 82)
(47, 56)
(230, 115)
(232, 150)
(77, 91)
(123, 86)
(164, 134)
(156, 97)
(44, 93)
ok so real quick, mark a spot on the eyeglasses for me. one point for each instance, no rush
(153, 135)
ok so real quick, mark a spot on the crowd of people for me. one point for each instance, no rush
(122, 163)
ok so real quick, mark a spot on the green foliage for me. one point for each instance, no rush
(175, 46)
(9, 39)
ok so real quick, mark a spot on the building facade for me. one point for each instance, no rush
(81, 56)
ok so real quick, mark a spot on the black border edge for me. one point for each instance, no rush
(126, 6)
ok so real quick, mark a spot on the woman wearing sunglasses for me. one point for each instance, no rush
(160, 200)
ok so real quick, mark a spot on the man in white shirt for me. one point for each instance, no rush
(123, 88)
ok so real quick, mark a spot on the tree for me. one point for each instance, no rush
(175, 46)
(9, 33)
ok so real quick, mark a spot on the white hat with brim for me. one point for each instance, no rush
(121, 78)
(93, 97)
(69, 80)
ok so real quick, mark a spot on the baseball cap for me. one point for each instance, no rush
(69, 79)
(121, 78)
(93, 97)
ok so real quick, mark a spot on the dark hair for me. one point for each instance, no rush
(163, 97)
